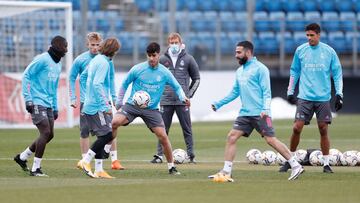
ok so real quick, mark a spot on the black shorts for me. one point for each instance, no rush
(99, 124)
(248, 123)
(305, 111)
(42, 113)
(151, 117)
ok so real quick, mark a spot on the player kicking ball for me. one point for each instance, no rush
(97, 108)
(252, 85)
(150, 77)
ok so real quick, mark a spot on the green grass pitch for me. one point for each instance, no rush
(149, 183)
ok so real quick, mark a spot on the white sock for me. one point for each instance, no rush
(25, 154)
(107, 148)
(228, 167)
(83, 155)
(113, 155)
(292, 153)
(326, 160)
(98, 165)
(293, 163)
(89, 156)
(170, 165)
(36, 164)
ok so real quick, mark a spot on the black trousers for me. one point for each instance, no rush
(183, 114)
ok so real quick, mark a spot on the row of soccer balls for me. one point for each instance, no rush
(336, 158)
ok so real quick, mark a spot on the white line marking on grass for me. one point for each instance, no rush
(133, 160)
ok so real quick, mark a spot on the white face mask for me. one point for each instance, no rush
(174, 48)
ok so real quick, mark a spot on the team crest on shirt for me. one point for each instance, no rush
(182, 63)
(322, 56)
(158, 78)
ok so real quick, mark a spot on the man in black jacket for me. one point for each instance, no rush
(184, 67)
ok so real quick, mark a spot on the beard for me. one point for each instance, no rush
(243, 60)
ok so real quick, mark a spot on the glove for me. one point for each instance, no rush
(29, 105)
(338, 102)
(73, 104)
(291, 99)
(213, 107)
(56, 114)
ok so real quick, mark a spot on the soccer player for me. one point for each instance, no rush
(97, 107)
(39, 87)
(149, 76)
(252, 85)
(184, 67)
(79, 66)
(313, 64)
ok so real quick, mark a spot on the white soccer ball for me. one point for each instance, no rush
(253, 156)
(141, 99)
(316, 158)
(358, 157)
(268, 157)
(335, 157)
(280, 159)
(300, 155)
(349, 158)
(179, 155)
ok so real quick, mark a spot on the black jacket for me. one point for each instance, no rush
(185, 69)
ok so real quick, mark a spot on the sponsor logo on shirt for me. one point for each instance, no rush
(53, 75)
(182, 63)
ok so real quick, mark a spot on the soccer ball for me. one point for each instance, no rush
(280, 159)
(268, 157)
(335, 157)
(180, 156)
(141, 99)
(349, 158)
(358, 157)
(300, 155)
(316, 158)
(253, 156)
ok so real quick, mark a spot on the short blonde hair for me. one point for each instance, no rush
(94, 36)
(109, 47)
(174, 35)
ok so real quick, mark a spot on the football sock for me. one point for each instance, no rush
(36, 164)
(83, 155)
(107, 148)
(113, 155)
(98, 165)
(228, 167)
(89, 156)
(293, 163)
(326, 160)
(170, 165)
(25, 154)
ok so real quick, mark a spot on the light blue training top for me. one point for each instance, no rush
(40, 81)
(313, 66)
(252, 85)
(79, 65)
(98, 85)
(152, 80)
